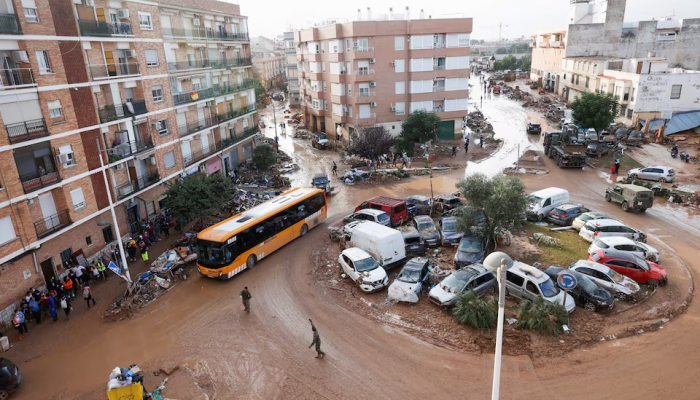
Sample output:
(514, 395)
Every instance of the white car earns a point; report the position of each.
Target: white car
(363, 269)
(627, 245)
(369, 214)
(609, 227)
(654, 173)
(619, 285)
(409, 283)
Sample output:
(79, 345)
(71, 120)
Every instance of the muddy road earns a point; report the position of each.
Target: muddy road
(200, 324)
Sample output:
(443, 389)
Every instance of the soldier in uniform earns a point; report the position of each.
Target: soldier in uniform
(245, 295)
(316, 341)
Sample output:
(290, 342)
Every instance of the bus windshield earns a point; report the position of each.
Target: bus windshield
(214, 254)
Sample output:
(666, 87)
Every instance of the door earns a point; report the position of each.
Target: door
(186, 151)
(133, 177)
(205, 143)
(48, 210)
(447, 130)
(111, 68)
(132, 216)
(200, 117)
(116, 96)
(47, 269)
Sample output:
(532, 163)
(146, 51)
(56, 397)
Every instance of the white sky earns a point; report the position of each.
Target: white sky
(271, 17)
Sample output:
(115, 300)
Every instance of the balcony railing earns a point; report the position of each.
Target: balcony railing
(367, 71)
(216, 35)
(16, 77)
(438, 88)
(367, 116)
(26, 130)
(227, 89)
(121, 150)
(39, 179)
(364, 94)
(195, 95)
(199, 155)
(137, 184)
(227, 116)
(217, 63)
(111, 112)
(363, 49)
(189, 64)
(203, 34)
(238, 136)
(52, 224)
(438, 67)
(195, 126)
(107, 71)
(100, 28)
(9, 24)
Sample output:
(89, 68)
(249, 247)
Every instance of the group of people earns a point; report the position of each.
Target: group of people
(151, 232)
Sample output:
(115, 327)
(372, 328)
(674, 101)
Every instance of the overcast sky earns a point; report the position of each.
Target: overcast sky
(271, 17)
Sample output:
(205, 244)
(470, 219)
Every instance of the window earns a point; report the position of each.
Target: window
(145, 21)
(55, 109)
(577, 76)
(399, 66)
(42, 58)
(161, 126)
(67, 256)
(157, 92)
(399, 43)
(676, 91)
(169, 159)
(587, 81)
(88, 240)
(347, 45)
(400, 87)
(108, 234)
(65, 155)
(7, 230)
(78, 199)
(532, 288)
(30, 13)
(151, 58)
(517, 280)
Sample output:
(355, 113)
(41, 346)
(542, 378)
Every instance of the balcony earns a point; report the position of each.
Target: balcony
(204, 34)
(195, 95)
(365, 95)
(52, 224)
(438, 88)
(199, 155)
(196, 126)
(137, 184)
(187, 65)
(121, 150)
(111, 112)
(217, 63)
(39, 179)
(16, 78)
(363, 49)
(26, 130)
(438, 67)
(222, 35)
(9, 24)
(367, 116)
(555, 43)
(100, 28)
(227, 116)
(228, 89)
(237, 137)
(109, 71)
(364, 74)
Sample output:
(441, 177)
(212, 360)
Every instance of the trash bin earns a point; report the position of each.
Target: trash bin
(131, 392)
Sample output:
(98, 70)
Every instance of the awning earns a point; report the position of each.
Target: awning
(682, 122)
(654, 124)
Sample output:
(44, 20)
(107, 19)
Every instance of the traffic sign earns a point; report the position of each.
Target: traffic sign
(566, 281)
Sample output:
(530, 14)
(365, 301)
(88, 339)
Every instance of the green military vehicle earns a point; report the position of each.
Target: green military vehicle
(632, 197)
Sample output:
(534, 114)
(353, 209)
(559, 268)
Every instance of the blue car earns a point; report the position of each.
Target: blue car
(449, 236)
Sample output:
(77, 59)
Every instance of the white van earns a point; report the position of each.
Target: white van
(527, 282)
(385, 244)
(545, 200)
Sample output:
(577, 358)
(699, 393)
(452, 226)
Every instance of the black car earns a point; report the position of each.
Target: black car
(621, 134)
(421, 202)
(447, 202)
(411, 237)
(565, 214)
(411, 209)
(471, 250)
(10, 377)
(586, 293)
(534, 128)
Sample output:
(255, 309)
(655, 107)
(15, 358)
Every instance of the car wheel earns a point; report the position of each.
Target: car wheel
(250, 262)
(625, 206)
(589, 306)
(608, 198)
(662, 179)
(642, 209)
(653, 283)
(4, 395)
(304, 230)
(621, 296)
(633, 176)
(540, 217)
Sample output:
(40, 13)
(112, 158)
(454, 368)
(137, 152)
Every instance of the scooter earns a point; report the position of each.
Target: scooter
(674, 152)
(685, 156)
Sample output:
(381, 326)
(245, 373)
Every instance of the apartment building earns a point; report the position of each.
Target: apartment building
(292, 73)
(548, 51)
(152, 90)
(271, 68)
(377, 71)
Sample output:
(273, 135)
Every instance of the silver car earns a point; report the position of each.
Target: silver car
(654, 173)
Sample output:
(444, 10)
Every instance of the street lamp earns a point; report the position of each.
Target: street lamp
(111, 209)
(274, 116)
(498, 262)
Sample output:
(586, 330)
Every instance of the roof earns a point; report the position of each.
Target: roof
(388, 201)
(418, 197)
(682, 122)
(209, 5)
(370, 211)
(422, 218)
(605, 222)
(633, 188)
(615, 240)
(523, 269)
(591, 264)
(415, 263)
(548, 192)
(568, 205)
(356, 253)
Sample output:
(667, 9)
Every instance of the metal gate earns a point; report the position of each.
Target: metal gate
(248, 150)
(447, 130)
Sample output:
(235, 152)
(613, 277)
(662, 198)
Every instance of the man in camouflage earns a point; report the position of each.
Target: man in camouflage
(245, 295)
(316, 341)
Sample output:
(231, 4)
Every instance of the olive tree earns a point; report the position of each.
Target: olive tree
(595, 110)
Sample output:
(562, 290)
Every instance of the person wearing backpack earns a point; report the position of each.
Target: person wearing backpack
(16, 322)
(87, 295)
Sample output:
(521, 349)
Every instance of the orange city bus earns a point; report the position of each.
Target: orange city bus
(229, 247)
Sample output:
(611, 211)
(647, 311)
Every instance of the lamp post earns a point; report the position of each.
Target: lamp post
(274, 116)
(498, 262)
(111, 209)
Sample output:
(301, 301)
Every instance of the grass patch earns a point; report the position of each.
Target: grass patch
(572, 246)
(626, 162)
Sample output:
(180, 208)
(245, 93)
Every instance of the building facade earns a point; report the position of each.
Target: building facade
(107, 100)
(271, 69)
(292, 73)
(376, 72)
(548, 51)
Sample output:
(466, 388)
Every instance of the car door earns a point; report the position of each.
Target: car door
(605, 281)
(619, 266)
(531, 290)
(630, 233)
(648, 173)
(350, 270)
(637, 273)
(484, 282)
(630, 248)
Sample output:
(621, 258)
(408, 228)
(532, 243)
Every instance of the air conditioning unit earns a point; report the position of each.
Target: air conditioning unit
(119, 166)
(372, 60)
(123, 13)
(335, 49)
(130, 53)
(393, 63)
(151, 160)
(372, 84)
(89, 3)
(355, 44)
(20, 56)
(195, 22)
(393, 108)
(64, 158)
(372, 104)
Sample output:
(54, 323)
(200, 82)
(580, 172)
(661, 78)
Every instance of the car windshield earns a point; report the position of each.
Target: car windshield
(366, 264)
(586, 284)
(382, 217)
(548, 289)
(470, 245)
(535, 200)
(585, 217)
(449, 226)
(320, 181)
(454, 283)
(426, 225)
(409, 276)
(618, 278)
(600, 244)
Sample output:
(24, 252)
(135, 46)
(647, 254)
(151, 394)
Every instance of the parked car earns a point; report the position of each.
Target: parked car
(471, 250)
(564, 214)
(609, 227)
(527, 282)
(321, 181)
(448, 231)
(320, 141)
(591, 135)
(632, 266)
(369, 214)
(427, 230)
(627, 245)
(447, 201)
(543, 201)
(635, 137)
(383, 243)
(657, 173)
(410, 281)
(579, 221)
(474, 277)
(422, 202)
(411, 209)
(534, 128)
(394, 207)
(586, 293)
(412, 240)
(10, 377)
(620, 286)
(363, 269)
(622, 133)
(632, 197)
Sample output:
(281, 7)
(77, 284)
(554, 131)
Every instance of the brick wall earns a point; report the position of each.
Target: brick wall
(167, 101)
(135, 8)
(21, 220)
(14, 285)
(67, 121)
(57, 76)
(175, 148)
(161, 68)
(62, 11)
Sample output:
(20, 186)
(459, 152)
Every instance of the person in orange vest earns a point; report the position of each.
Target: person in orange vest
(68, 285)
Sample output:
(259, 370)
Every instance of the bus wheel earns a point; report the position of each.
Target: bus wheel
(304, 230)
(250, 262)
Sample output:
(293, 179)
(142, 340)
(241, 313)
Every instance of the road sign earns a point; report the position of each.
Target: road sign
(566, 281)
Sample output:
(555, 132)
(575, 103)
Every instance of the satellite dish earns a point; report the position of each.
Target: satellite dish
(493, 261)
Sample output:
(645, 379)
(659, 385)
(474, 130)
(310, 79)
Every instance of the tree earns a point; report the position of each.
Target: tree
(508, 62)
(475, 311)
(264, 157)
(595, 110)
(259, 89)
(197, 195)
(370, 142)
(419, 127)
(492, 204)
(525, 63)
(542, 316)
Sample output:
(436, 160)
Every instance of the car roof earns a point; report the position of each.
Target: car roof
(449, 218)
(321, 175)
(634, 188)
(418, 197)
(590, 264)
(473, 269)
(606, 222)
(388, 201)
(421, 218)
(548, 192)
(618, 254)
(356, 253)
(415, 263)
(613, 240)
(534, 123)
(595, 214)
(371, 211)
(407, 230)
(568, 205)
(522, 269)
(446, 196)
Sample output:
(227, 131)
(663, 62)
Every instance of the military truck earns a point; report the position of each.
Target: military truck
(562, 147)
(632, 197)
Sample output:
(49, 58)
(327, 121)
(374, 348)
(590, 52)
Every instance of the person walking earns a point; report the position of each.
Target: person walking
(481, 140)
(131, 251)
(65, 306)
(53, 284)
(101, 269)
(454, 151)
(245, 296)
(22, 320)
(335, 169)
(52, 308)
(316, 341)
(166, 228)
(87, 295)
(144, 253)
(16, 322)
(35, 310)
(617, 166)
(396, 156)
(466, 147)
(68, 286)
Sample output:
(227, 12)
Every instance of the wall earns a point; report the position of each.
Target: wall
(654, 93)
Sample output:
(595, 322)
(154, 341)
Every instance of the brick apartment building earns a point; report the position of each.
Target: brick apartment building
(292, 74)
(377, 71)
(270, 67)
(164, 87)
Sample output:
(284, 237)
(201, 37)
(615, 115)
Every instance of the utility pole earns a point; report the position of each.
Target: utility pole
(274, 116)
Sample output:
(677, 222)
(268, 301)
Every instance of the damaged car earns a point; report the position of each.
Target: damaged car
(474, 277)
(471, 250)
(449, 236)
(427, 230)
(363, 269)
(409, 283)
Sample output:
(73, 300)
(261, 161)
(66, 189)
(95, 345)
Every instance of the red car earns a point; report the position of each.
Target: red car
(632, 266)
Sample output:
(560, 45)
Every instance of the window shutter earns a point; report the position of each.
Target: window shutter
(78, 198)
(7, 230)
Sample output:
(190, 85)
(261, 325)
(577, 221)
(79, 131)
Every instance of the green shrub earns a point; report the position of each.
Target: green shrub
(542, 316)
(475, 311)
